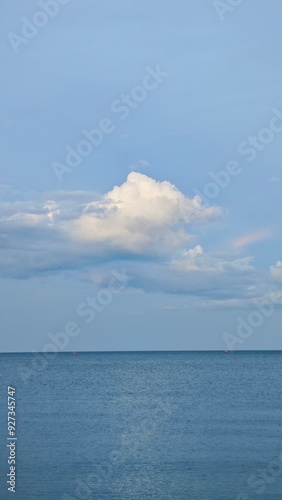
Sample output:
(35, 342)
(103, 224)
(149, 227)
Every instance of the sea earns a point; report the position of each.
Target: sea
(141, 426)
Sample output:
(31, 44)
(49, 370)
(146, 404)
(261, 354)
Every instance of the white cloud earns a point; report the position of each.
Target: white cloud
(144, 225)
(139, 164)
(189, 260)
(141, 216)
(276, 271)
(196, 260)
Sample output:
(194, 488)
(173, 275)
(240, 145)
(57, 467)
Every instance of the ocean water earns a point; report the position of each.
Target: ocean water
(142, 426)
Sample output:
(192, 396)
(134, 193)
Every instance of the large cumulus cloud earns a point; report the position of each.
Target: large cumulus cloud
(142, 217)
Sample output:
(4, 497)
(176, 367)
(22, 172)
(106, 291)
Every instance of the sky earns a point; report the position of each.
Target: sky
(140, 175)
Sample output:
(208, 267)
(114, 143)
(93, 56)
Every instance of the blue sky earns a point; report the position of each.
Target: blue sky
(200, 95)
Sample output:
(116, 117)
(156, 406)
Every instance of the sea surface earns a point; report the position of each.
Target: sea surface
(144, 426)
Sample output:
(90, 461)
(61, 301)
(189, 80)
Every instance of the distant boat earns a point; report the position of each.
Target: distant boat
(226, 351)
(73, 352)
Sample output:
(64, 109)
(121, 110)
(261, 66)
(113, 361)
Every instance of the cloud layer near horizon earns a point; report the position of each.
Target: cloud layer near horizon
(143, 224)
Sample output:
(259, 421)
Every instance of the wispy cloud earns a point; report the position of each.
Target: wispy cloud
(139, 165)
(276, 271)
(275, 179)
(248, 239)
